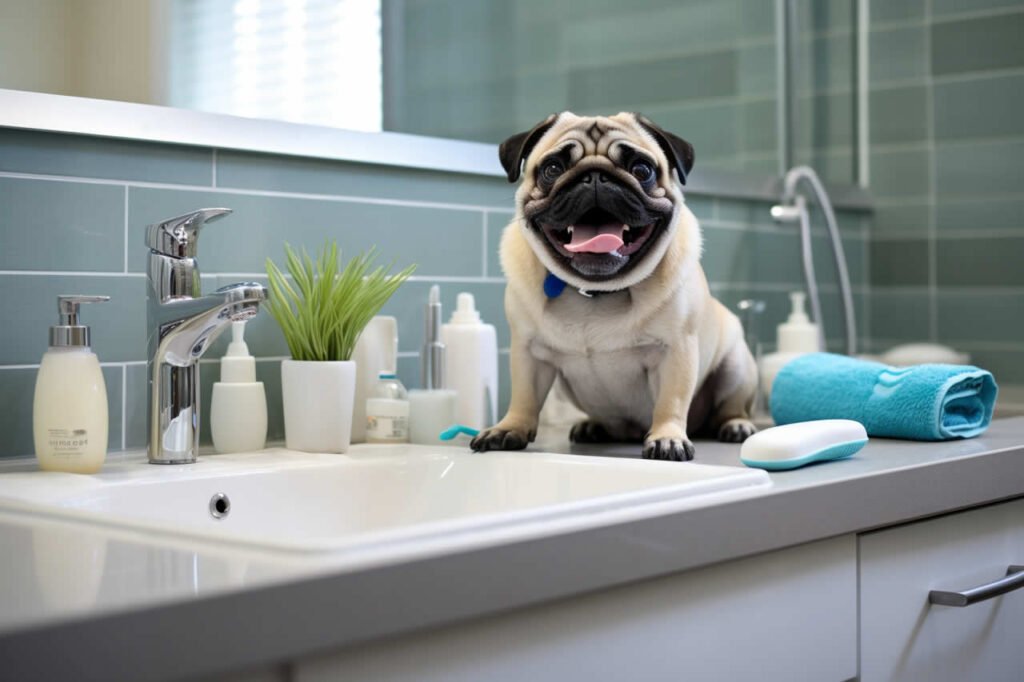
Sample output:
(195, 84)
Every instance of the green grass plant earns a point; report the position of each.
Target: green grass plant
(324, 308)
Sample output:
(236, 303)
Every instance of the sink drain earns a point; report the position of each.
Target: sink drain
(220, 506)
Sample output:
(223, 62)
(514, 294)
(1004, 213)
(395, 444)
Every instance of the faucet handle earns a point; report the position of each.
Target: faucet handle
(178, 237)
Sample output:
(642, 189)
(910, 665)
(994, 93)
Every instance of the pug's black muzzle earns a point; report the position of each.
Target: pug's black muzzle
(599, 226)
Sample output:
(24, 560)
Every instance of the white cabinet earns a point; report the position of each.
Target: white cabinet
(786, 615)
(905, 638)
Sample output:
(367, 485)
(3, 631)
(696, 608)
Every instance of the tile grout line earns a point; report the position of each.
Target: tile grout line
(977, 290)
(929, 123)
(339, 198)
(125, 364)
(456, 279)
(952, 17)
(124, 405)
(949, 78)
(865, 273)
(917, 200)
(126, 228)
(72, 273)
(897, 234)
(485, 254)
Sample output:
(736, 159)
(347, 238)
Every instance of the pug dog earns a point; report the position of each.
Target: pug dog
(606, 293)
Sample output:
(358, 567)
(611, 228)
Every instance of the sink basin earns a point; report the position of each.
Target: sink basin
(376, 500)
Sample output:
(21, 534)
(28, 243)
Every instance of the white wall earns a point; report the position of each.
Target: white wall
(88, 48)
(34, 51)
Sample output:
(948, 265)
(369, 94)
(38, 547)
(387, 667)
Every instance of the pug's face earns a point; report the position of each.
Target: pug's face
(599, 196)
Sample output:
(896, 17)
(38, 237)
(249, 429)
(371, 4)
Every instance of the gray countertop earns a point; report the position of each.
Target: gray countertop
(158, 609)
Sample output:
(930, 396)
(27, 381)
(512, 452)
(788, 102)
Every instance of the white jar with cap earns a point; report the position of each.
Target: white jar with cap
(238, 409)
(69, 409)
(472, 365)
(795, 337)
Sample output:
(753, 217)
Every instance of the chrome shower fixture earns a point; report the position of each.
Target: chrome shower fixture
(794, 209)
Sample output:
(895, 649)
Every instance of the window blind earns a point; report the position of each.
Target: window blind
(308, 61)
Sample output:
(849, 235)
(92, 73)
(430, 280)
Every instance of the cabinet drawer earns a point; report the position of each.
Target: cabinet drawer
(903, 637)
(782, 616)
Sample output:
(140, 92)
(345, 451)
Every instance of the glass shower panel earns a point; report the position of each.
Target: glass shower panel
(824, 72)
(482, 70)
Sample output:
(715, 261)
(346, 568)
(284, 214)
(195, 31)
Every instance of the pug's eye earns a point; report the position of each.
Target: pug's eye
(642, 171)
(552, 169)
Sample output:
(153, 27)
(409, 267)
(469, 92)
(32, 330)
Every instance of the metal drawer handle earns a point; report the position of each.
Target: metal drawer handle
(1014, 580)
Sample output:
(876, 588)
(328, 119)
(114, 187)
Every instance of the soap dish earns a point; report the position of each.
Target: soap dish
(796, 445)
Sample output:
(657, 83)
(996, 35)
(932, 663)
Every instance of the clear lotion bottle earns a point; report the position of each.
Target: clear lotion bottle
(69, 411)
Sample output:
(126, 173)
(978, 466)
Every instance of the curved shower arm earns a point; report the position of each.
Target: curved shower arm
(797, 205)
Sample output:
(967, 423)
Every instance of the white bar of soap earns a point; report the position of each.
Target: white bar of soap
(795, 445)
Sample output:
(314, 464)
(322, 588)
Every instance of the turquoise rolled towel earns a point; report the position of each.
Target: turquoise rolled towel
(924, 402)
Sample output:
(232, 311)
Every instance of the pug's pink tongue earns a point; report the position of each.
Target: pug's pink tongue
(595, 239)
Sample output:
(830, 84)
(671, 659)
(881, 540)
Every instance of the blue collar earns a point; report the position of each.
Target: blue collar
(553, 286)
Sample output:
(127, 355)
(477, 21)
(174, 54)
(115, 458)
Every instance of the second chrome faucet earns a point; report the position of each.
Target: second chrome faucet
(181, 325)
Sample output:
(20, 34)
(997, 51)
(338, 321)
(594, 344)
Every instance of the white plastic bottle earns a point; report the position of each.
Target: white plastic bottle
(376, 351)
(238, 408)
(472, 366)
(795, 337)
(387, 411)
(432, 407)
(69, 410)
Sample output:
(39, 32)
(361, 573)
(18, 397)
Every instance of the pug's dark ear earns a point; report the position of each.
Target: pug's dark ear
(515, 149)
(678, 150)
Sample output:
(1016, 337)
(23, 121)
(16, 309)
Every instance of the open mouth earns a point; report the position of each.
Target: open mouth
(598, 232)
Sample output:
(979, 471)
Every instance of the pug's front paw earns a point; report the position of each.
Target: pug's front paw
(673, 449)
(498, 438)
(589, 431)
(736, 430)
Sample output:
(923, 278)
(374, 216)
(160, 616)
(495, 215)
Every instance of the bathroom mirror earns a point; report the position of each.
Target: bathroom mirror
(756, 86)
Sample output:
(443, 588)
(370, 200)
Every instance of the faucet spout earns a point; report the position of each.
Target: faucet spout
(187, 326)
(182, 324)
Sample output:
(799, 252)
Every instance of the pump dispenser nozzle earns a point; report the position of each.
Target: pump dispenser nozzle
(237, 366)
(70, 331)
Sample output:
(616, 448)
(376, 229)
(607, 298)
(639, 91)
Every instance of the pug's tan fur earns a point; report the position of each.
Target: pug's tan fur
(654, 357)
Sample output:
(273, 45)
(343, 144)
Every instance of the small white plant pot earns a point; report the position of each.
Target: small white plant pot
(318, 399)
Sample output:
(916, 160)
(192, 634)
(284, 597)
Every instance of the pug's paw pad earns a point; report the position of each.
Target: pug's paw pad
(500, 439)
(589, 431)
(736, 431)
(672, 449)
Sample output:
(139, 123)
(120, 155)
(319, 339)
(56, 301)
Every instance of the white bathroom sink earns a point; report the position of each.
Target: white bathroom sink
(376, 500)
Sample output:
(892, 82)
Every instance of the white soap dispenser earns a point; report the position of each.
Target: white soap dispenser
(472, 367)
(795, 337)
(69, 410)
(238, 410)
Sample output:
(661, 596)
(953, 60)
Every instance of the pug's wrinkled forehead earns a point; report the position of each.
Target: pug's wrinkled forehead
(621, 139)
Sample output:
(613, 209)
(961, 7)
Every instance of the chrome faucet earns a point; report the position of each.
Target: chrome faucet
(181, 325)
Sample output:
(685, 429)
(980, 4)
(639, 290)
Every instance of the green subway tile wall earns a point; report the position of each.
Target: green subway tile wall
(73, 210)
(938, 260)
(947, 169)
(706, 68)
(961, 46)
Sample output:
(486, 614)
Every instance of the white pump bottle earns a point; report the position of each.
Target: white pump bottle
(238, 409)
(795, 337)
(69, 409)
